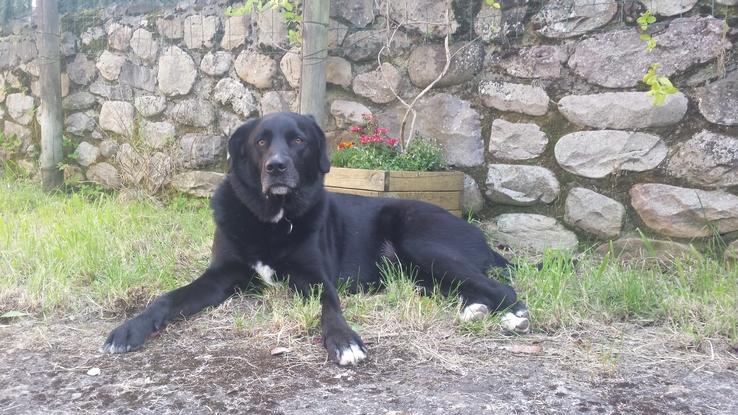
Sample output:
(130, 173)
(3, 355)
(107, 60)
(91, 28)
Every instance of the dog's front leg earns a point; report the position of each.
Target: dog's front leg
(343, 344)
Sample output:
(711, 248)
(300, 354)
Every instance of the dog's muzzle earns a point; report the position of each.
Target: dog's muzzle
(278, 176)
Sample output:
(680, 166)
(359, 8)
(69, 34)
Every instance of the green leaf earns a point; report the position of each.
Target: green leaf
(14, 314)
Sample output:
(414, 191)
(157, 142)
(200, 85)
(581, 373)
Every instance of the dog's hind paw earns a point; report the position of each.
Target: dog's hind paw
(517, 322)
(351, 355)
(474, 311)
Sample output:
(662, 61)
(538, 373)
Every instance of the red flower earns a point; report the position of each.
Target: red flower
(392, 141)
(381, 130)
(345, 144)
(356, 129)
(364, 139)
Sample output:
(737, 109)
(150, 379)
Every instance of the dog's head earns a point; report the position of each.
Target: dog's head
(279, 153)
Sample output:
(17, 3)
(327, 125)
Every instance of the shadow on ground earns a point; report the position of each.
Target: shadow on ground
(205, 365)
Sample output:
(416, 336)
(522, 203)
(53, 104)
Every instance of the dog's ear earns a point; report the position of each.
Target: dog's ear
(237, 140)
(324, 163)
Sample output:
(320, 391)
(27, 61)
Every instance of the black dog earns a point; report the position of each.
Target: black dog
(275, 220)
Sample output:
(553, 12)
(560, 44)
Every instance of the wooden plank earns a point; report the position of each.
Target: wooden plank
(446, 200)
(408, 181)
(361, 179)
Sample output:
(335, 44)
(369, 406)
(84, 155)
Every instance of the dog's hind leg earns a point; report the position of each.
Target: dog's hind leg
(480, 295)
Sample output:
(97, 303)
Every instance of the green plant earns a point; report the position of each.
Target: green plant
(660, 85)
(493, 3)
(288, 9)
(11, 143)
(371, 148)
(644, 20)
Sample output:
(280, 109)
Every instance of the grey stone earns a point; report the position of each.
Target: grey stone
(377, 85)
(568, 18)
(23, 133)
(272, 29)
(201, 150)
(594, 213)
(144, 45)
(199, 31)
(255, 68)
(718, 102)
(119, 36)
(428, 17)
(171, 28)
(216, 64)
(108, 148)
(647, 250)
(117, 117)
(138, 76)
(150, 105)
(539, 62)
(79, 124)
(683, 212)
(231, 91)
(455, 125)
(669, 7)
(3, 91)
(347, 113)
(531, 232)
(623, 110)
(193, 112)
(707, 159)
(278, 101)
(79, 101)
(520, 185)
(87, 153)
(104, 174)
(728, 2)
(516, 141)
(81, 70)
(596, 154)
(359, 12)
(505, 96)
(156, 135)
(236, 30)
(16, 50)
(92, 34)
(228, 122)
(132, 165)
(338, 71)
(336, 34)
(68, 44)
(619, 59)
(472, 200)
(177, 72)
(291, 66)
(493, 24)
(365, 44)
(20, 107)
(114, 92)
(426, 63)
(197, 183)
(109, 65)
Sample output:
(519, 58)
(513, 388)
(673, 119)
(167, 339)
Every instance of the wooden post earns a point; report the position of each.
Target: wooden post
(314, 53)
(50, 80)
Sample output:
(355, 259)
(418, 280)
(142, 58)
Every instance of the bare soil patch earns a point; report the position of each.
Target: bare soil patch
(210, 365)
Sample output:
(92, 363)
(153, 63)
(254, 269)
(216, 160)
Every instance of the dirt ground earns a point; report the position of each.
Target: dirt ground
(208, 365)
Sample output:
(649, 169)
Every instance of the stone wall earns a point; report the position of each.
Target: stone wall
(541, 106)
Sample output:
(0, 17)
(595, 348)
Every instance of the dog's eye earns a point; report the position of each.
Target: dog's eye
(299, 140)
(261, 142)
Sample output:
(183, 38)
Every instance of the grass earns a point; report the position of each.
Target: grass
(90, 250)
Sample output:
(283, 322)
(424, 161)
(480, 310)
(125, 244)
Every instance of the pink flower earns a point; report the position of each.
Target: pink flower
(364, 139)
(367, 117)
(381, 130)
(392, 141)
(356, 129)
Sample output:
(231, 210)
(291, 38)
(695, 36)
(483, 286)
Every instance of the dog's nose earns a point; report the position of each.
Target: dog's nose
(276, 165)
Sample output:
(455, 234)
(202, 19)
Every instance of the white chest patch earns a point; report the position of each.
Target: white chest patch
(278, 216)
(266, 273)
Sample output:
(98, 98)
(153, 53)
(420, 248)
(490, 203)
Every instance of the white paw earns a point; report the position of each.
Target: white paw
(113, 348)
(517, 322)
(474, 311)
(351, 355)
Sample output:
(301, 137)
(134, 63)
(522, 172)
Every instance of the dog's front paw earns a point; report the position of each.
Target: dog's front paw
(517, 321)
(345, 347)
(129, 336)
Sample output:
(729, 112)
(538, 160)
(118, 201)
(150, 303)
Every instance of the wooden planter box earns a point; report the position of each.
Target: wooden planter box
(442, 188)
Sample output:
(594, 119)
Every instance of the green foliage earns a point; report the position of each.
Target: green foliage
(288, 9)
(11, 143)
(645, 19)
(371, 148)
(493, 3)
(660, 86)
